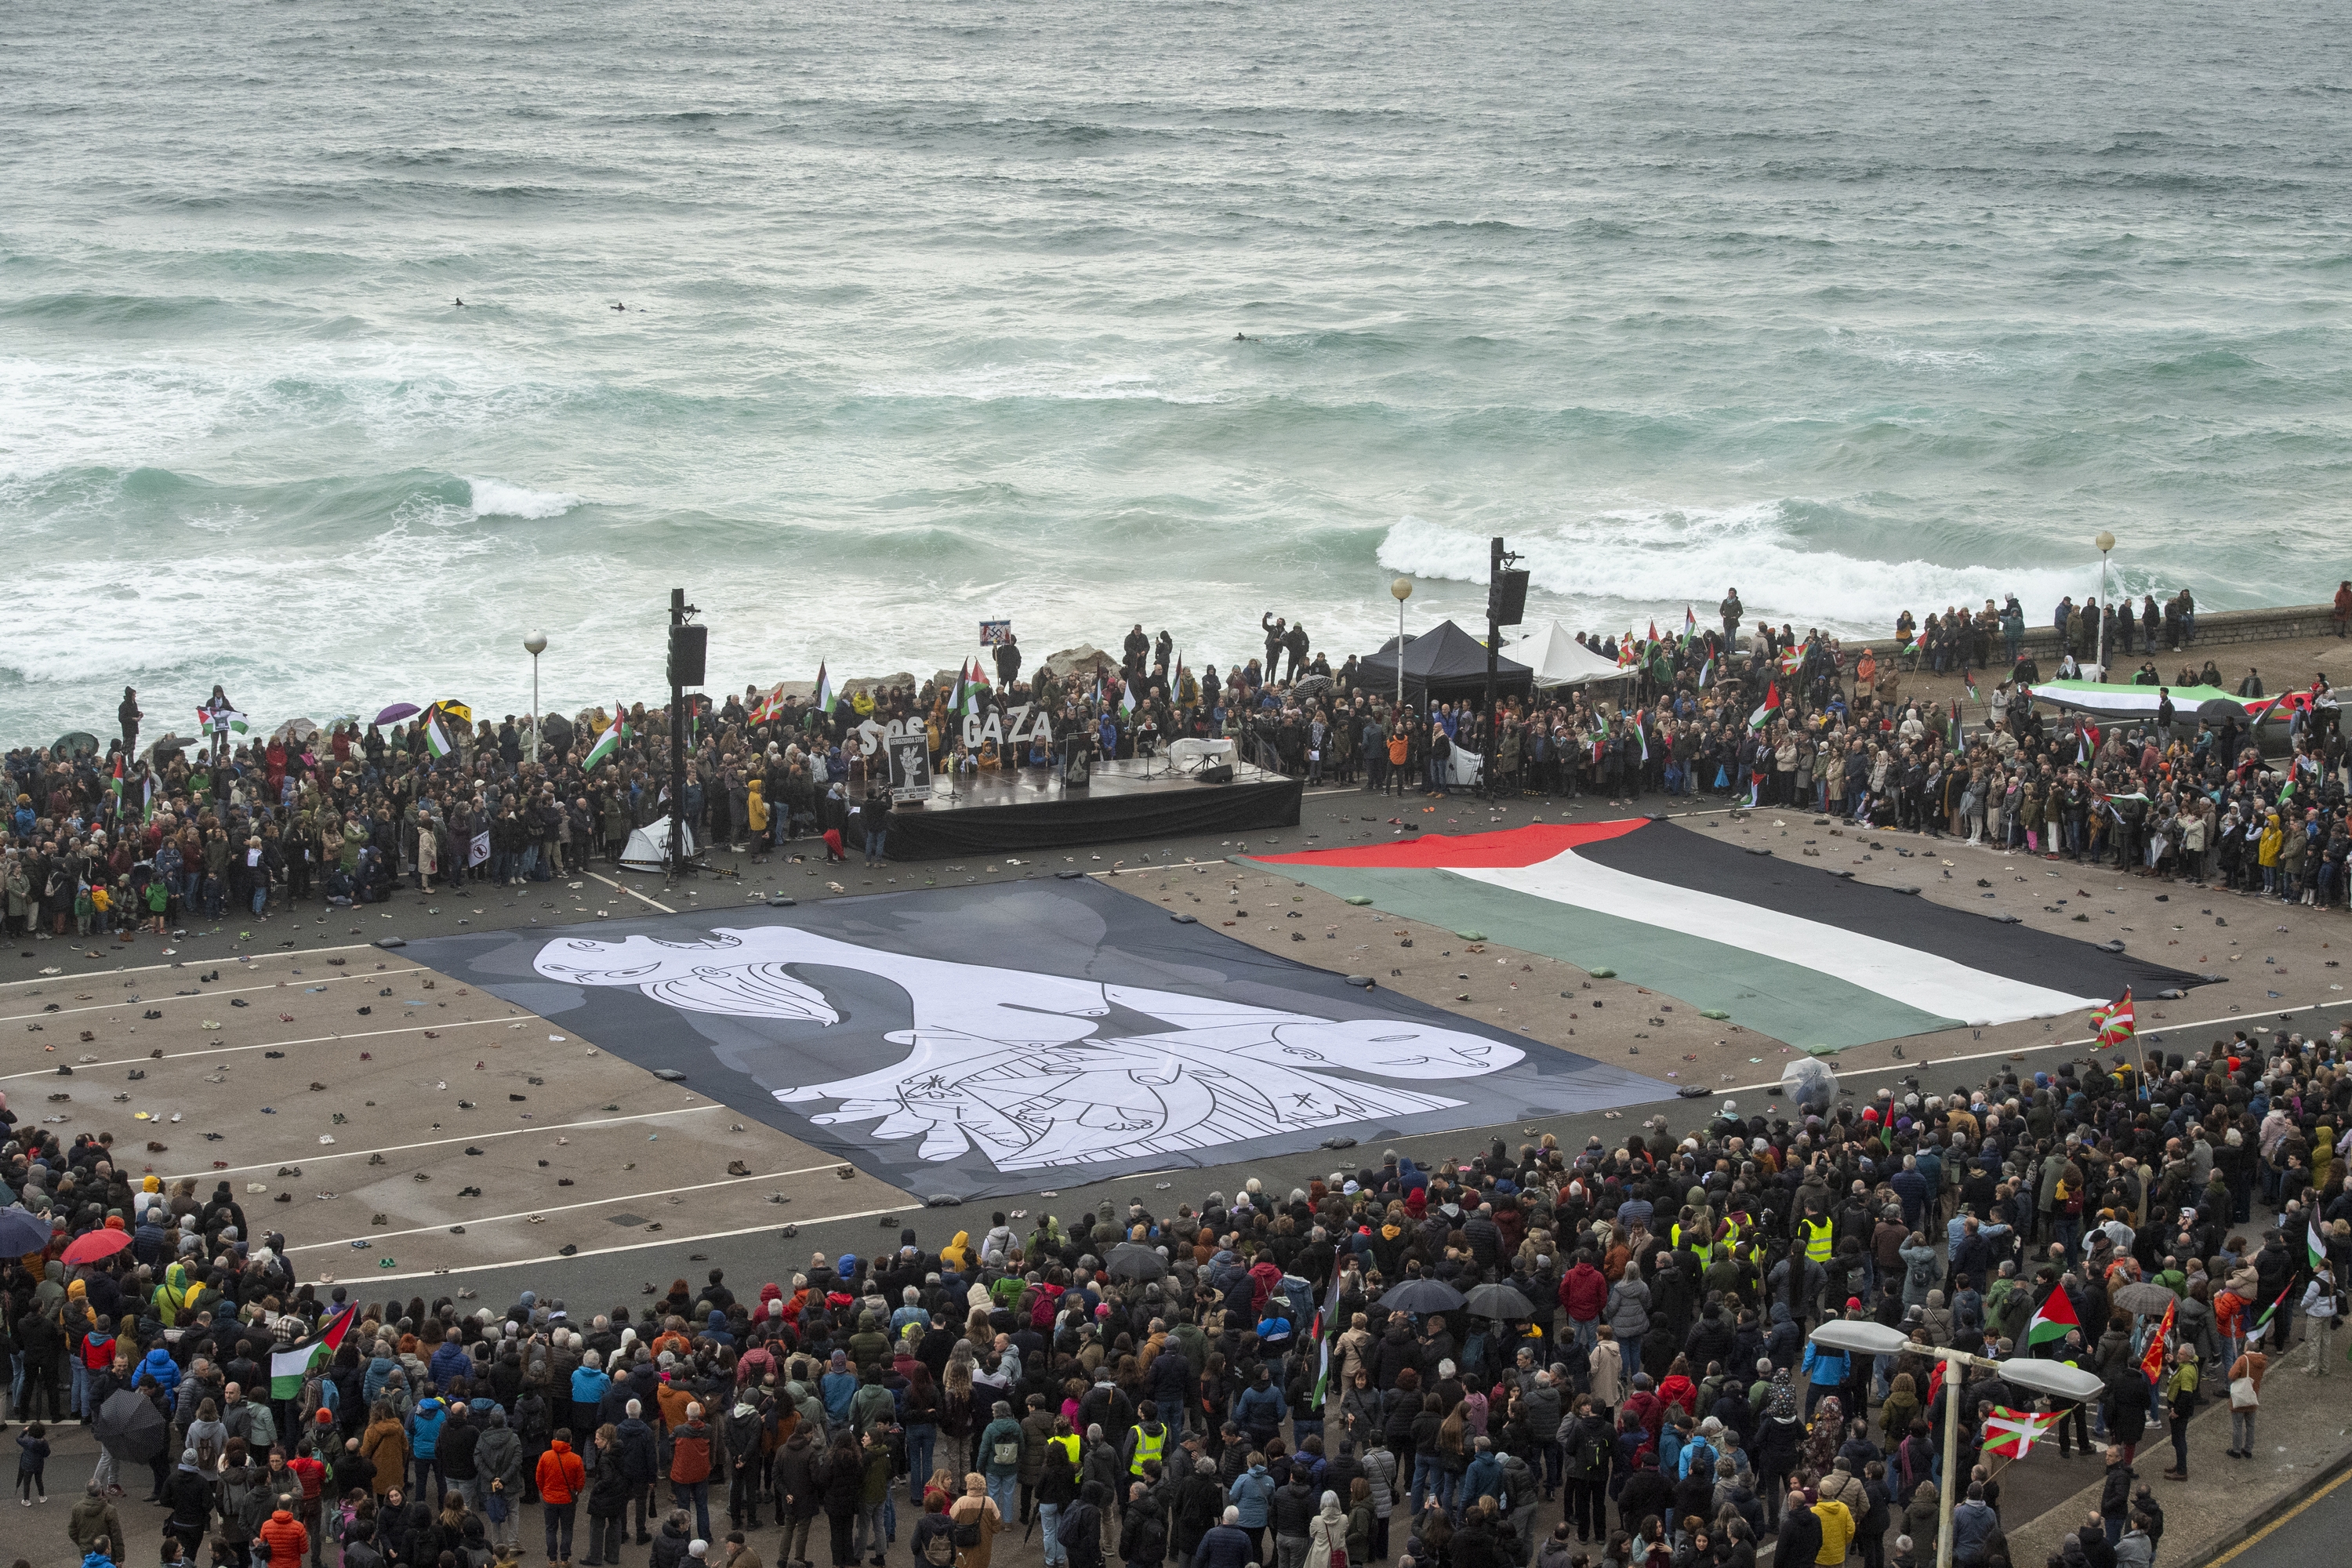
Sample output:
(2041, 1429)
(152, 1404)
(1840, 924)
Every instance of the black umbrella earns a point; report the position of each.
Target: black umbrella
(1420, 1296)
(1499, 1301)
(1131, 1260)
(22, 1231)
(130, 1427)
(2213, 710)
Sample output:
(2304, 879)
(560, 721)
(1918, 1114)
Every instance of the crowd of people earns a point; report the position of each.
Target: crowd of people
(111, 843)
(1536, 1355)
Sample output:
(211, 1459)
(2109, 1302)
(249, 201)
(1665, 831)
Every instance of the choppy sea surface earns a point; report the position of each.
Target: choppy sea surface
(931, 317)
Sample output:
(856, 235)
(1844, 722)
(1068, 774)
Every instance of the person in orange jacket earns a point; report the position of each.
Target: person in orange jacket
(283, 1534)
(561, 1478)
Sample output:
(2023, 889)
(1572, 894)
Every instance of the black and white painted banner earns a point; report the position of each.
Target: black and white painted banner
(986, 1039)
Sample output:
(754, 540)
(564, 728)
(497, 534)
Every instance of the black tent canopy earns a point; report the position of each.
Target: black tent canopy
(1441, 664)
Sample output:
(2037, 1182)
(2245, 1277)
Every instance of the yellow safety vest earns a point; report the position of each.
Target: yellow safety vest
(1699, 1244)
(1148, 1445)
(1068, 1445)
(1817, 1240)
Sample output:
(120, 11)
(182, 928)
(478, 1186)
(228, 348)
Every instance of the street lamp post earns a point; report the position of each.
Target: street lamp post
(2056, 1379)
(535, 644)
(2106, 541)
(1402, 589)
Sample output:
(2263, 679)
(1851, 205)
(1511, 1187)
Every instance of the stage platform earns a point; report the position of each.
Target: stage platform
(1031, 809)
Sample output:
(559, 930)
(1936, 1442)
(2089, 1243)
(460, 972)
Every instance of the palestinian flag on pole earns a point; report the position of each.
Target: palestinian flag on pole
(1705, 674)
(2314, 1245)
(1767, 710)
(1690, 627)
(1783, 947)
(1970, 682)
(2114, 1022)
(291, 1364)
(2262, 1323)
(2053, 1320)
(2011, 1434)
(115, 783)
(1322, 1332)
(610, 741)
(437, 738)
(826, 699)
(1127, 699)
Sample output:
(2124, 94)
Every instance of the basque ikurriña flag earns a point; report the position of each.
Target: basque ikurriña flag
(1801, 954)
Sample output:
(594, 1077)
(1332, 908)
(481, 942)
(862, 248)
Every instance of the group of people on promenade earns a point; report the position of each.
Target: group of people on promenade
(1535, 1355)
(358, 812)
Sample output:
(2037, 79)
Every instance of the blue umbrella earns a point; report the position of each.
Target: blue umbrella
(22, 1231)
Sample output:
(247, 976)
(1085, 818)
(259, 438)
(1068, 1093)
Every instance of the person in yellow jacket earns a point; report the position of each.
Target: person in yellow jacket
(175, 1294)
(1837, 1527)
(2266, 851)
(755, 809)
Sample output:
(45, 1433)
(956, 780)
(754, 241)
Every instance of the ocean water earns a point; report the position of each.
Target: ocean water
(933, 314)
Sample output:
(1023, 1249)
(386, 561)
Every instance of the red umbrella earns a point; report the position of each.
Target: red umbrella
(91, 1246)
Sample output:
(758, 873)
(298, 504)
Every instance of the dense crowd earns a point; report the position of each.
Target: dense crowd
(1537, 1355)
(111, 843)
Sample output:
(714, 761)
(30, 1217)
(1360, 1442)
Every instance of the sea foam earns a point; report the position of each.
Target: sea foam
(495, 498)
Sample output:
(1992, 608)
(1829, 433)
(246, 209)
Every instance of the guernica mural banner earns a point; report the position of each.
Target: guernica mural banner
(991, 1039)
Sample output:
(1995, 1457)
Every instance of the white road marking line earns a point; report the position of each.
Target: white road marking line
(269, 1046)
(158, 1001)
(665, 1240)
(306, 1157)
(62, 976)
(566, 1208)
(632, 893)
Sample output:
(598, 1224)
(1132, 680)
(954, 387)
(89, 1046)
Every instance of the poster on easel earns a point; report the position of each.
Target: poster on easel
(910, 767)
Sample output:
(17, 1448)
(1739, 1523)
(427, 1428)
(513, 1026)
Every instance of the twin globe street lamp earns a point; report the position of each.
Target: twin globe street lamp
(2054, 1378)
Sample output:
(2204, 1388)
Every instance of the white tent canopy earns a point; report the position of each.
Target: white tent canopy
(1559, 660)
(648, 846)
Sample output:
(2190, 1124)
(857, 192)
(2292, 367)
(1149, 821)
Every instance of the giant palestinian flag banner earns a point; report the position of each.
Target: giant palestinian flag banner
(1800, 953)
(979, 1040)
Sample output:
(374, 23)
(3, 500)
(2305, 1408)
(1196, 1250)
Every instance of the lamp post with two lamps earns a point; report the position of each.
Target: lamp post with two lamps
(2054, 1378)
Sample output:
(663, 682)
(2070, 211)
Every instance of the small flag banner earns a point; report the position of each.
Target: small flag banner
(2053, 1320)
(2114, 1023)
(2011, 1434)
(289, 1365)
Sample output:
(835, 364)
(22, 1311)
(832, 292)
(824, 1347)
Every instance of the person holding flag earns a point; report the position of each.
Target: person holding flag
(2319, 1304)
(2179, 1393)
(610, 741)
